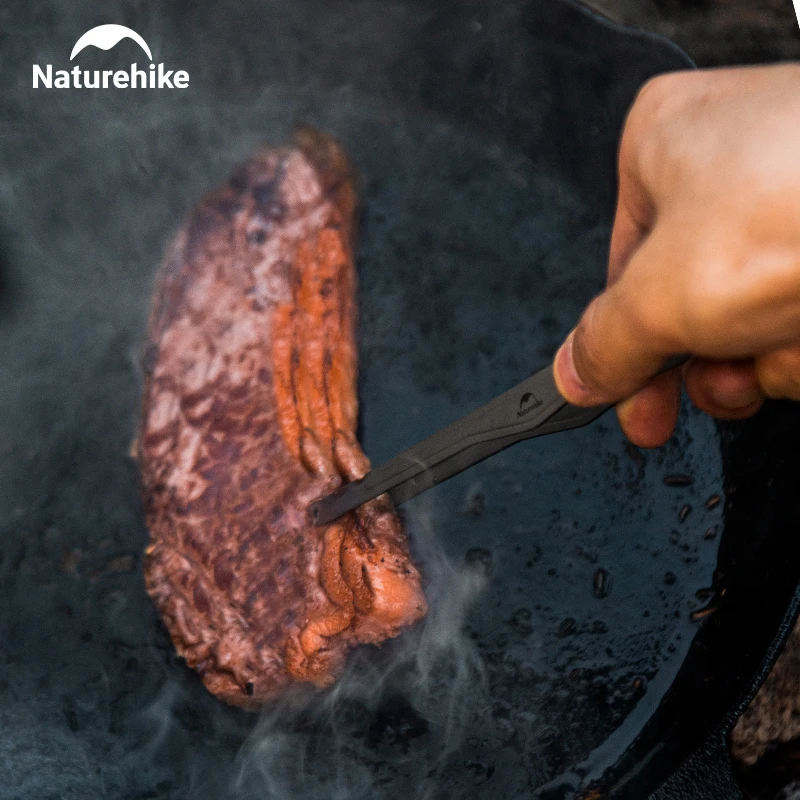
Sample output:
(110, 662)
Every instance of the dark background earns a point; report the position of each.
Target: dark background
(716, 32)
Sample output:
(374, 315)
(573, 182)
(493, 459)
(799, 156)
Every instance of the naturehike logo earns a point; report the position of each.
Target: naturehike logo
(529, 402)
(105, 37)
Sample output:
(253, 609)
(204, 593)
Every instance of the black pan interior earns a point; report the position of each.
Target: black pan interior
(563, 574)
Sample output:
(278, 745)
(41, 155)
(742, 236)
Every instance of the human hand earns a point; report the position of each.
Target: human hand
(704, 257)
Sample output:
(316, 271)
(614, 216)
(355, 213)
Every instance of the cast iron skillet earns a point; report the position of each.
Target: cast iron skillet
(486, 135)
(682, 748)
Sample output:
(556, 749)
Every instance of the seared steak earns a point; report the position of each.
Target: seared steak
(249, 414)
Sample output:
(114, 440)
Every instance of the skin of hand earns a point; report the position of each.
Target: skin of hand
(704, 256)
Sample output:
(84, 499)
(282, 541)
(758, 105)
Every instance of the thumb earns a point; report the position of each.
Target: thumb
(620, 341)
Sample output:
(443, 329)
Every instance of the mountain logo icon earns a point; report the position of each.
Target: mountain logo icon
(528, 402)
(105, 37)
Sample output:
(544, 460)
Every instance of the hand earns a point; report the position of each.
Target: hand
(705, 254)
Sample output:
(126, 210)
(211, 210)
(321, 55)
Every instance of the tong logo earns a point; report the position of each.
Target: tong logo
(528, 402)
(104, 37)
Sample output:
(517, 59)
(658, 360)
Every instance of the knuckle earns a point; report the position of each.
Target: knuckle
(647, 313)
(601, 348)
(771, 381)
(655, 92)
(646, 319)
(708, 306)
(648, 141)
(587, 356)
(661, 93)
(778, 373)
(640, 140)
(651, 110)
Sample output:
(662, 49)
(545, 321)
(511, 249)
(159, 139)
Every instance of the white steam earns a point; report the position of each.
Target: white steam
(424, 686)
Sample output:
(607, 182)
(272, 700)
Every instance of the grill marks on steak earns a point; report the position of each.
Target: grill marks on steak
(249, 414)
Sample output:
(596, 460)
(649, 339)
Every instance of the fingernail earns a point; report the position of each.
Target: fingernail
(734, 400)
(569, 383)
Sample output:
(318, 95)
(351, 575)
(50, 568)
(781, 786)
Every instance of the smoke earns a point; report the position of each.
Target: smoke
(632, 12)
(421, 689)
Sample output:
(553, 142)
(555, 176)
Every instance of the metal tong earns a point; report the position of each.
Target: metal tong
(532, 408)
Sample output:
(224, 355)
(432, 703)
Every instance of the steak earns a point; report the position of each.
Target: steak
(249, 414)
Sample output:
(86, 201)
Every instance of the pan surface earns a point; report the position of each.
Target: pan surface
(565, 575)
